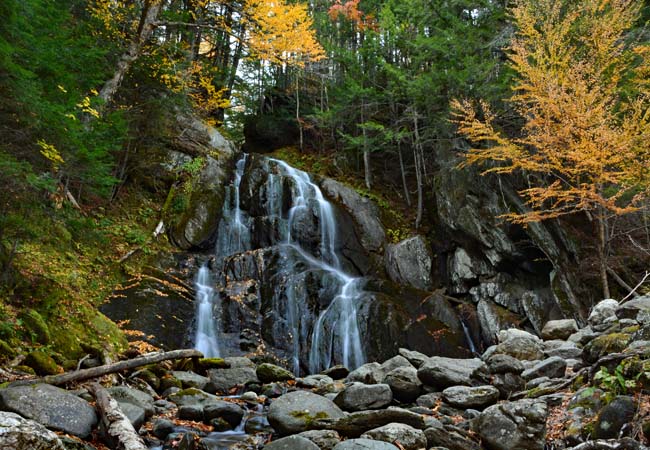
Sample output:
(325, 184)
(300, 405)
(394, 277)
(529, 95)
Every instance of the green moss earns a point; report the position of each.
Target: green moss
(36, 326)
(6, 351)
(26, 369)
(607, 343)
(212, 363)
(42, 363)
(309, 419)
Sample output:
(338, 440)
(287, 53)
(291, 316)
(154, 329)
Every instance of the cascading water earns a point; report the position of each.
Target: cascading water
(287, 204)
(206, 340)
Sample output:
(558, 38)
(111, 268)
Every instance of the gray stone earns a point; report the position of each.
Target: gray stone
(429, 400)
(359, 397)
(51, 406)
(337, 372)
(192, 396)
(514, 425)
(268, 373)
(415, 358)
(324, 439)
(520, 344)
(404, 383)
(292, 443)
(134, 413)
(443, 372)
(614, 416)
(508, 383)
(409, 438)
(296, 411)
(553, 367)
(162, 427)
(315, 381)
(228, 411)
(603, 313)
(125, 394)
(559, 329)
(631, 308)
(583, 336)
(191, 412)
(439, 437)
(18, 433)
(500, 363)
(238, 361)
(409, 262)
(191, 379)
(494, 318)
(395, 362)
(356, 423)
(370, 373)
(363, 211)
(223, 380)
(465, 270)
(465, 397)
(364, 444)
(566, 350)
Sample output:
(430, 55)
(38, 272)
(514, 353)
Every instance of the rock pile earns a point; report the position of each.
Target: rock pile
(577, 388)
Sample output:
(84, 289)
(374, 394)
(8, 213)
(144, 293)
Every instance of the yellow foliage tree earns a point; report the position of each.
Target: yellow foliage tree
(581, 89)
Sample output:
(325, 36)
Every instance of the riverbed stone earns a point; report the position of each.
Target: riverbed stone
(223, 380)
(124, 394)
(559, 329)
(553, 367)
(18, 433)
(441, 372)
(355, 424)
(614, 416)
(439, 437)
(359, 397)
(134, 413)
(514, 425)
(190, 379)
(603, 314)
(292, 443)
(51, 406)
(520, 344)
(364, 444)
(228, 411)
(404, 383)
(296, 411)
(500, 363)
(415, 358)
(409, 438)
(631, 308)
(268, 373)
(324, 439)
(466, 397)
(369, 373)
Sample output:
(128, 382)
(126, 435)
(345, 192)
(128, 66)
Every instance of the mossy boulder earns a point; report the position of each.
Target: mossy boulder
(602, 345)
(35, 325)
(6, 351)
(212, 363)
(42, 363)
(269, 373)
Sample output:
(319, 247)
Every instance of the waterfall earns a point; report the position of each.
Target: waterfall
(206, 340)
(332, 334)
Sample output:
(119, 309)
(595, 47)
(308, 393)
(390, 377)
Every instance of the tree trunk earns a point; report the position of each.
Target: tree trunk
(366, 153)
(148, 18)
(407, 195)
(602, 252)
(417, 150)
(120, 434)
(99, 371)
(298, 121)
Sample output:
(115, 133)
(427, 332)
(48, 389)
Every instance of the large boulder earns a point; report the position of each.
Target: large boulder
(409, 262)
(297, 411)
(465, 397)
(18, 433)
(359, 397)
(223, 380)
(631, 308)
(404, 383)
(553, 367)
(520, 344)
(51, 406)
(443, 372)
(493, 318)
(364, 444)
(291, 443)
(356, 423)
(136, 397)
(603, 314)
(409, 438)
(559, 329)
(514, 425)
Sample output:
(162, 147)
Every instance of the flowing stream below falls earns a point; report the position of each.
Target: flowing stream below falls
(319, 332)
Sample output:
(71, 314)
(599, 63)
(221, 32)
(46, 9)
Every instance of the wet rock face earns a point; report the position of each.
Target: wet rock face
(409, 262)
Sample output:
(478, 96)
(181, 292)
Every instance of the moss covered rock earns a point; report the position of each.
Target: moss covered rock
(42, 363)
(607, 343)
(36, 326)
(212, 363)
(269, 373)
(6, 351)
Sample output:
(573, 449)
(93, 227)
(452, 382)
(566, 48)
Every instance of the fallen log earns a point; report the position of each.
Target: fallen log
(119, 433)
(95, 372)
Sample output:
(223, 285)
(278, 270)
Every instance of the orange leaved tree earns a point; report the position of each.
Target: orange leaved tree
(581, 87)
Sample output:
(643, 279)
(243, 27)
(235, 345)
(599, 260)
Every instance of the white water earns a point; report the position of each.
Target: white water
(335, 336)
(336, 329)
(206, 340)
